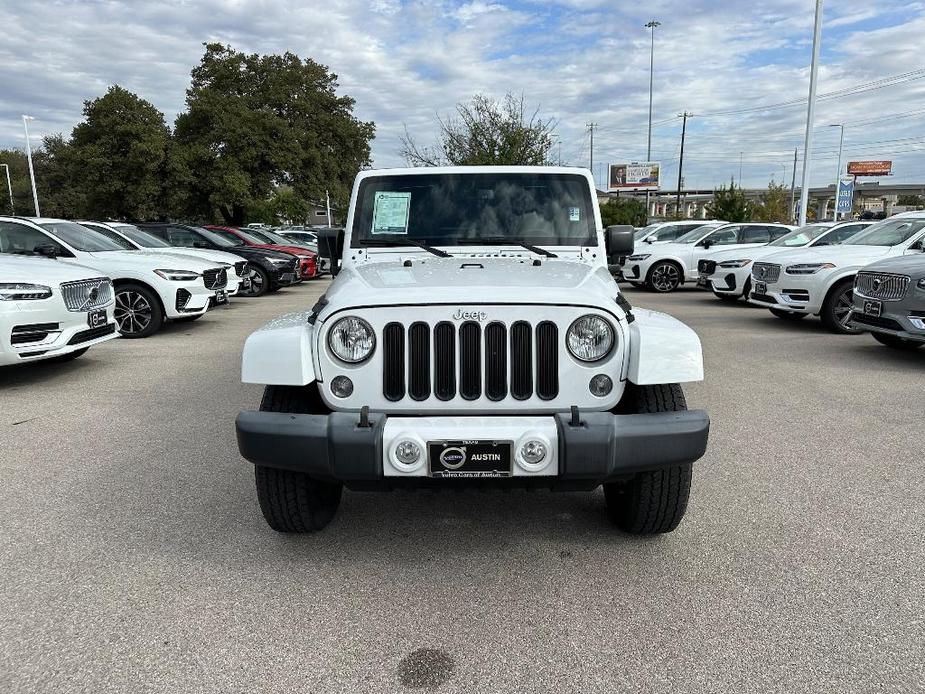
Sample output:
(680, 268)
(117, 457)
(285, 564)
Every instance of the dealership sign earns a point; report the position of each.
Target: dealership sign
(634, 176)
(870, 168)
(844, 199)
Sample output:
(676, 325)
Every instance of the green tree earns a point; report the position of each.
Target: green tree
(19, 180)
(486, 132)
(773, 205)
(623, 211)
(254, 123)
(729, 204)
(57, 179)
(910, 200)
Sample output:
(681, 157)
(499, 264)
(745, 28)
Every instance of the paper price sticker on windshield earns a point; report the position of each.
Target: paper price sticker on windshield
(574, 214)
(391, 212)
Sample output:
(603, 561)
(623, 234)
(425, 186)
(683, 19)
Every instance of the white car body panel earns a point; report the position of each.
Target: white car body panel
(664, 350)
(49, 273)
(280, 353)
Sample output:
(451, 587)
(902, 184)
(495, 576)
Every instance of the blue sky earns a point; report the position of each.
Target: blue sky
(577, 60)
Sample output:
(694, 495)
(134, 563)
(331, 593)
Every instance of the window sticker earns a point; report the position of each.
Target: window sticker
(574, 214)
(391, 212)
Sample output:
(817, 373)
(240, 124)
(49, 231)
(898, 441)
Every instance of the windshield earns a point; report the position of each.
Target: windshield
(255, 236)
(459, 209)
(273, 237)
(218, 239)
(890, 232)
(80, 238)
(694, 235)
(142, 238)
(801, 236)
(645, 231)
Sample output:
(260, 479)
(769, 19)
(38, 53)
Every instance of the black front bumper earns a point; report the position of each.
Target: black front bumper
(599, 448)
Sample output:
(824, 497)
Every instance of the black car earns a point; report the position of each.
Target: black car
(271, 269)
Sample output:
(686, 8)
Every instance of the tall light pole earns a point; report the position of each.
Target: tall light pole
(9, 187)
(35, 195)
(685, 116)
(810, 110)
(651, 26)
(841, 144)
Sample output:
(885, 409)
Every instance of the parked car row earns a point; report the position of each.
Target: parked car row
(857, 276)
(66, 286)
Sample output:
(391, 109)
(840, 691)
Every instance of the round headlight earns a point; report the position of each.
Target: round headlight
(590, 338)
(352, 340)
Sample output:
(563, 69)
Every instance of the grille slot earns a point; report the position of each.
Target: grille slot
(882, 286)
(240, 268)
(92, 334)
(470, 360)
(445, 361)
(706, 267)
(521, 360)
(496, 361)
(419, 361)
(393, 356)
(86, 295)
(547, 360)
(215, 279)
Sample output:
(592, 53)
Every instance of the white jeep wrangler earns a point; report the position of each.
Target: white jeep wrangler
(474, 335)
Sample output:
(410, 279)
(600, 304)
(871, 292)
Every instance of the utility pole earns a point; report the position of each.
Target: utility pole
(793, 186)
(810, 110)
(841, 144)
(652, 26)
(591, 126)
(35, 195)
(685, 116)
(9, 187)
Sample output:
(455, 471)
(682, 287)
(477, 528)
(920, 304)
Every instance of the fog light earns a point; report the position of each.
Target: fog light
(408, 452)
(533, 452)
(342, 386)
(600, 385)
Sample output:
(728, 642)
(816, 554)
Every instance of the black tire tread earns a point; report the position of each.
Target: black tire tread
(826, 314)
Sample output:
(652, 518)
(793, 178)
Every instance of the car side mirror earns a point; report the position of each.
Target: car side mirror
(706, 243)
(619, 241)
(331, 246)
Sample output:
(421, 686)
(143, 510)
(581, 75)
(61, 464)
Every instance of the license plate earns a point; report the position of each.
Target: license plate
(97, 318)
(221, 296)
(873, 308)
(761, 288)
(470, 459)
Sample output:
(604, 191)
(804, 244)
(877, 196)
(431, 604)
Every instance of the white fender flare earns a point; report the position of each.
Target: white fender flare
(663, 350)
(280, 353)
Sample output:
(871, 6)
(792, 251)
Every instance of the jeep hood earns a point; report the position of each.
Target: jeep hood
(463, 281)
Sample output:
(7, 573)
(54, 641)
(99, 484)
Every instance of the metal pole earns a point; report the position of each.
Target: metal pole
(35, 195)
(591, 127)
(9, 187)
(810, 111)
(793, 186)
(651, 25)
(685, 116)
(841, 144)
(327, 200)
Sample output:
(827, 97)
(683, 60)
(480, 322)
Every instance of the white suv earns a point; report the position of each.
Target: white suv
(820, 281)
(665, 267)
(149, 287)
(666, 232)
(51, 311)
(728, 273)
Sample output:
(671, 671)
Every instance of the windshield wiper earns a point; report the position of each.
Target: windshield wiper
(385, 243)
(497, 241)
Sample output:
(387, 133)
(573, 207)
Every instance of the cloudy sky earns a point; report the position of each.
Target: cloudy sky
(579, 61)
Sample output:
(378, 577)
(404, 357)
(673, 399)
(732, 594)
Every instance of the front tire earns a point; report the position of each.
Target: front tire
(896, 342)
(664, 277)
(836, 309)
(651, 502)
(138, 311)
(260, 282)
(293, 502)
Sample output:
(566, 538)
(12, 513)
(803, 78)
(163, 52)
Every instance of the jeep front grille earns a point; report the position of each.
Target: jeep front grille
(215, 279)
(86, 295)
(882, 286)
(496, 361)
(766, 272)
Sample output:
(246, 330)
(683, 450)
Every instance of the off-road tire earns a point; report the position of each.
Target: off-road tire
(651, 502)
(293, 502)
(896, 342)
(787, 315)
(833, 304)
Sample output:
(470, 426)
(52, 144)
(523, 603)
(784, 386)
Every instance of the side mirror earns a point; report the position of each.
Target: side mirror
(49, 250)
(706, 243)
(649, 239)
(331, 246)
(620, 242)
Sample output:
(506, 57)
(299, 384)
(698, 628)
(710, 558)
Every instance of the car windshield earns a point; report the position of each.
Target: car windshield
(255, 236)
(218, 239)
(801, 236)
(466, 209)
(142, 238)
(273, 237)
(80, 238)
(890, 232)
(645, 231)
(694, 235)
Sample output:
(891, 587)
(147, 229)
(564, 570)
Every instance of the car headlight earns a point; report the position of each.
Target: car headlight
(735, 263)
(279, 262)
(20, 291)
(178, 275)
(352, 340)
(808, 268)
(641, 256)
(590, 338)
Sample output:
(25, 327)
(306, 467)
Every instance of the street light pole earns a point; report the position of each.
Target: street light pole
(35, 195)
(685, 116)
(9, 187)
(810, 110)
(652, 26)
(841, 144)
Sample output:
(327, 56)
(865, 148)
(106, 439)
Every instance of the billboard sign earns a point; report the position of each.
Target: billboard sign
(870, 168)
(634, 176)
(844, 199)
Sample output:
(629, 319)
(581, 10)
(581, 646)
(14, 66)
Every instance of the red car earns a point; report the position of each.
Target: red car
(308, 260)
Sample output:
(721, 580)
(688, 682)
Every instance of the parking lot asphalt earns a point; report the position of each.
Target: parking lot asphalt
(135, 559)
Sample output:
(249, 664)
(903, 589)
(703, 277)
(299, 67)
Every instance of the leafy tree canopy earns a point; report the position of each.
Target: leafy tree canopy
(773, 205)
(729, 204)
(623, 211)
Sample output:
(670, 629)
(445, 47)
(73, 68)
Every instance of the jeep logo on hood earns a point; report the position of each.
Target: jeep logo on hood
(469, 315)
